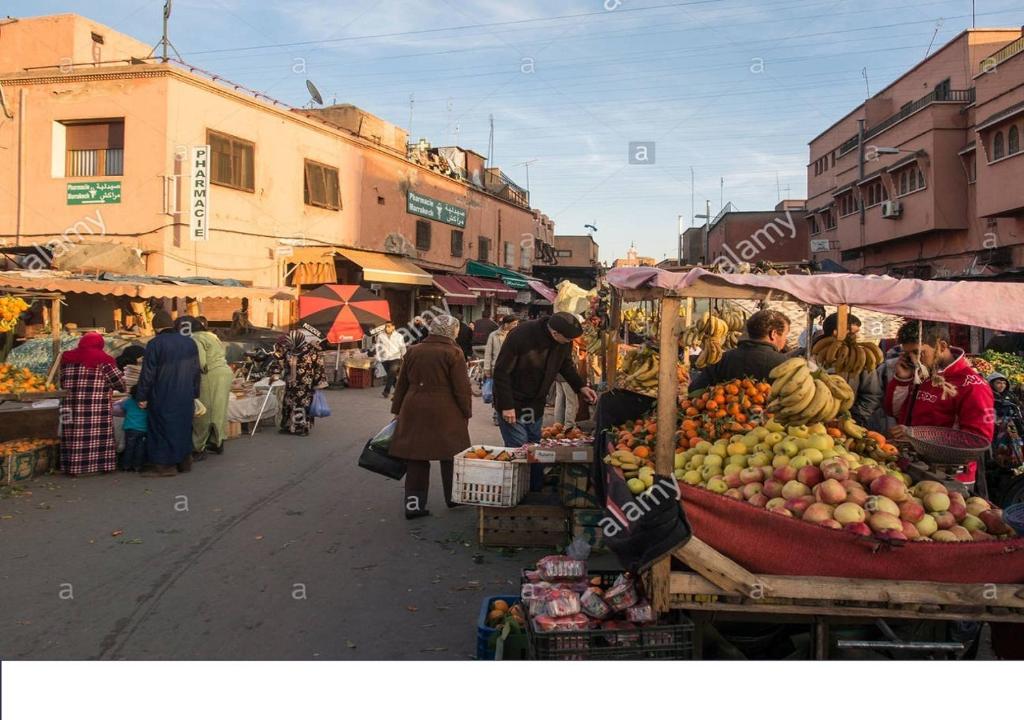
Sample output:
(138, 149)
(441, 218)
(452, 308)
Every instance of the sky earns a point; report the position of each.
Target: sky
(732, 89)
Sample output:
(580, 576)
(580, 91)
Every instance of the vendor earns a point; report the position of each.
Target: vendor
(755, 356)
(933, 384)
(867, 385)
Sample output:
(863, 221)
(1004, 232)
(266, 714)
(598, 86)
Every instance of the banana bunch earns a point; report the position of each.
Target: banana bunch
(800, 396)
(848, 356)
(639, 371)
(710, 353)
(714, 334)
(594, 344)
(735, 318)
(636, 320)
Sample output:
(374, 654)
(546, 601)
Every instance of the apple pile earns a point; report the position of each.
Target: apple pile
(801, 472)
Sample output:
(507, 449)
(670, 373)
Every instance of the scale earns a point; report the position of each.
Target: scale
(941, 454)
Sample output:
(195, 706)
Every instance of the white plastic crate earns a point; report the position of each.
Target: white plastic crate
(491, 483)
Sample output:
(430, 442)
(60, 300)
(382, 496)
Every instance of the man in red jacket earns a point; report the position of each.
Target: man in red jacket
(933, 384)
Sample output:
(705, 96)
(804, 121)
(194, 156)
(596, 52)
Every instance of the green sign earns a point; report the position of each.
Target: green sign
(435, 209)
(94, 193)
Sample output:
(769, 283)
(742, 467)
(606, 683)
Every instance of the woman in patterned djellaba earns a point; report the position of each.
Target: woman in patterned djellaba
(301, 366)
(89, 375)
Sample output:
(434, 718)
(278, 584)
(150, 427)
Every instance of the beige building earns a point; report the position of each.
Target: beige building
(98, 144)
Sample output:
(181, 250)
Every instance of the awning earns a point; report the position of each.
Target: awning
(381, 268)
(488, 287)
(158, 287)
(543, 290)
(486, 270)
(455, 293)
(1000, 116)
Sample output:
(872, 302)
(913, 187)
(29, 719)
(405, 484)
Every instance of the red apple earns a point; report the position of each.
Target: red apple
(962, 533)
(798, 505)
(981, 535)
(816, 513)
(831, 492)
(911, 511)
(751, 490)
(732, 480)
(835, 468)
(734, 494)
(993, 520)
(775, 502)
(758, 500)
(867, 473)
(858, 528)
(772, 488)
(794, 489)
(851, 484)
(809, 475)
(959, 509)
(858, 496)
(944, 519)
(910, 530)
(732, 474)
(831, 524)
(891, 535)
(880, 521)
(781, 511)
(784, 474)
(750, 475)
(890, 487)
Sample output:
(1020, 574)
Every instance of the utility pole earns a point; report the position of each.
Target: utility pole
(693, 208)
(679, 238)
(707, 229)
(721, 193)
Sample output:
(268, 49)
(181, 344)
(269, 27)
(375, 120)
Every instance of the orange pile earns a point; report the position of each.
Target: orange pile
(721, 410)
(21, 380)
(23, 445)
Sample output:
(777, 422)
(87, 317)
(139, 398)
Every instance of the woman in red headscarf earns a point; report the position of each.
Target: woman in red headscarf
(88, 374)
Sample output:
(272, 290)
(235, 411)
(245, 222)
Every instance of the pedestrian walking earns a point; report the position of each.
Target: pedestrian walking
(464, 339)
(494, 342)
(532, 356)
(299, 362)
(168, 388)
(433, 403)
(390, 351)
(210, 430)
(89, 376)
(483, 328)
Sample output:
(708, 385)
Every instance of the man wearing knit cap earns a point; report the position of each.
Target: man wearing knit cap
(532, 356)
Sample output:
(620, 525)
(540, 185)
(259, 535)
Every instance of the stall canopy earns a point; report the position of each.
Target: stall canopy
(381, 268)
(455, 292)
(990, 305)
(543, 290)
(485, 270)
(488, 287)
(141, 286)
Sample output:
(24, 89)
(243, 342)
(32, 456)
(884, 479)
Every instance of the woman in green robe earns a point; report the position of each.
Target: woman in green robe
(210, 429)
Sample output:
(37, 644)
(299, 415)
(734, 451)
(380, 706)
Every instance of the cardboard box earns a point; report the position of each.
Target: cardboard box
(560, 454)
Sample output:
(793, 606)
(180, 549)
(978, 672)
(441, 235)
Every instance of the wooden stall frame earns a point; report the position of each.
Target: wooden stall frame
(55, 299)
(731, 588)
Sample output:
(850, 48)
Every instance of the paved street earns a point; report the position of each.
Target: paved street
(272, 519)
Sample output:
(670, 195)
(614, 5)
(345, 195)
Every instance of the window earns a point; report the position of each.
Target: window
(94, 149)
(483, 248)
(563, 253)
(874, 193)
(233, 161)
(321, 186)
(830, 219)
(847, 204)
(997, 146)
(97, 38)
(456, 243)
(422, 235)
(1013, 141)
(972, 167)
(813, 223)
(510, 255)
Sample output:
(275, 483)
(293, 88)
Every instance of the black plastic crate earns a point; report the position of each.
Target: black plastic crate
(651, 642)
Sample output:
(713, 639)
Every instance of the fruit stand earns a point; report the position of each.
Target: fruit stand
(743, 563)
(28, 440)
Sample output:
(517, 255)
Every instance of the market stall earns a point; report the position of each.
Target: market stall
(742, 560)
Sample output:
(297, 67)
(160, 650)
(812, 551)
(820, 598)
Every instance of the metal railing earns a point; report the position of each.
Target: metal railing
(1004, 53)
(939, 94)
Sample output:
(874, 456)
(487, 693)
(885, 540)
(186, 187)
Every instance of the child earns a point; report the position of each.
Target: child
(135, 426)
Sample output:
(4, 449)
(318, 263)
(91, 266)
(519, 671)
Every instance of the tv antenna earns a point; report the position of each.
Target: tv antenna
(867, 87)
(315, 98)
(165, 40)
(938, 26)
(527, 164)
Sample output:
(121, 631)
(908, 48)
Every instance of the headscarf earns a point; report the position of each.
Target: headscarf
(445, 326)
(88, 353)
(129, 356)
(992, 377)
(295, 341)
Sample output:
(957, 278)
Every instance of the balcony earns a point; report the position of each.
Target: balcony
(94, 163)
(1002, 54)
(939, 94)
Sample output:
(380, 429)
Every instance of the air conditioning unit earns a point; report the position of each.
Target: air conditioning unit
(892, 209)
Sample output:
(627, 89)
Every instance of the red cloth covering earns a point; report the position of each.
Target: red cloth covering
(89, 352)
(767, 543)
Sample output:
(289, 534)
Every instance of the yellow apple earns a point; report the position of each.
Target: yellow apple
(799, 461)
(821, 442)
(813, 455)
(758, 460)
(704, 447)
(773, 438)
(773, 426)
(692, 477)
(798, 431)
(713, 461)
(736, 448)
(719, 451)
(780, 460)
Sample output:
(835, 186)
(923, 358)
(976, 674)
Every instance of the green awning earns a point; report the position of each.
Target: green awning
(485, 270)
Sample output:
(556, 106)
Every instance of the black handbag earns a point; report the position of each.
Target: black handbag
(375, 457)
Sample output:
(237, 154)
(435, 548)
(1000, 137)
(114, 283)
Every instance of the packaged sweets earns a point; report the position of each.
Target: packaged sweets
(593, 604)
(561, 567)
(622, 595)
(562, 603)
(571, 623)
(642, 612)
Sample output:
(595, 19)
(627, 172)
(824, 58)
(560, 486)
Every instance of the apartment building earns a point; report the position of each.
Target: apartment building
(922, 180)
(774, 236)
(91, 128)
(570, 257)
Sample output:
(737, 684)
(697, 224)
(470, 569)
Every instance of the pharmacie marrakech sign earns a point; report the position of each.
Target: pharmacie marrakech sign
(94, 193)
(435, 209)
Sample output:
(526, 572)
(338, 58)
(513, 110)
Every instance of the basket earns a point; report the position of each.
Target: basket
(490, 483)
(1014, 517)
(359, 378)
(486, 637)
(946, 445)
(651, 642)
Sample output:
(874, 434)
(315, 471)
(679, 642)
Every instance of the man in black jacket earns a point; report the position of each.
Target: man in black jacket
(755, 356)
(483, 328)
(533, 354)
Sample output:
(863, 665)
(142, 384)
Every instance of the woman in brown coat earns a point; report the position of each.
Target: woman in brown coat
(433, 403)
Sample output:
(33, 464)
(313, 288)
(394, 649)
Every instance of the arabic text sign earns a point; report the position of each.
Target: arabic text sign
(435, 209)
(94, 193)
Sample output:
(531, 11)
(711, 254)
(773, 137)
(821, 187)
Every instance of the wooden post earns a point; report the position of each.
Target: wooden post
(55, 334)
(841, 328)
(809, 324)
(611, 339)
(687, 322)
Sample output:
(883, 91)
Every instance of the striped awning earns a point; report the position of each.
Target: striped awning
(488, 287)
(455, 292)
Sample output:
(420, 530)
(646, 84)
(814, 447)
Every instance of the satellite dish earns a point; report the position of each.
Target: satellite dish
(167, 9)
(314, 94)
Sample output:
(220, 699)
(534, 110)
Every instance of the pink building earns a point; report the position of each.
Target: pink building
(921, 180)
(774, 236)
(97, 143)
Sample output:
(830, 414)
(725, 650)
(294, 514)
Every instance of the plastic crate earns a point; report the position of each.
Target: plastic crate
(515, 649)
(645, 642)
(490, 483)
(359, 378)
